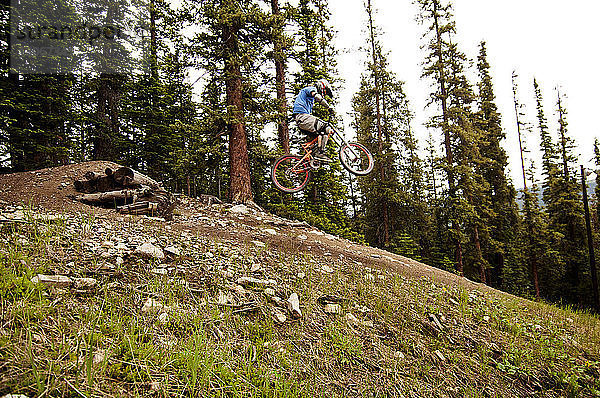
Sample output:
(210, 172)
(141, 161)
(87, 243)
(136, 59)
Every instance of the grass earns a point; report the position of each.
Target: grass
(62, 342)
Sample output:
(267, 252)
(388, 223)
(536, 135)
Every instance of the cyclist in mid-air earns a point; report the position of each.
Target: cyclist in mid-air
(303, 107)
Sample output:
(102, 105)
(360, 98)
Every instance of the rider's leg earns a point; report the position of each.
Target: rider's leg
(323, 138)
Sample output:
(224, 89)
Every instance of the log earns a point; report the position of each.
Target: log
(120, 196)
(124, 187)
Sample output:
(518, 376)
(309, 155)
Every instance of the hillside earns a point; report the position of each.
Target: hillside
(204, 305)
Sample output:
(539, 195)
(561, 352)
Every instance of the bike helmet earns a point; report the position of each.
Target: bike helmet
(323, 87)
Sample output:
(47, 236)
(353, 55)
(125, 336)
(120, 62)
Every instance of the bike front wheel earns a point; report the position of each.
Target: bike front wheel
(290, 173)
(356, 158)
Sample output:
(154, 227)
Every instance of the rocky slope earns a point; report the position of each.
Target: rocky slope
(232, 301)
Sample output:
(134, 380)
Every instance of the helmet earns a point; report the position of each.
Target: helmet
(323, 87)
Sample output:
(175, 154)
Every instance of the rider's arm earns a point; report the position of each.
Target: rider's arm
(319, 98)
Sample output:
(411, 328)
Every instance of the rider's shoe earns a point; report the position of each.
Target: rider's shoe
(320, 156)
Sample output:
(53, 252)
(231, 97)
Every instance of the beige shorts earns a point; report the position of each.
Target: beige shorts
(311, 124)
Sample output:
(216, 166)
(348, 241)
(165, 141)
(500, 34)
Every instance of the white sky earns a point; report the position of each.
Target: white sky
(551, 39)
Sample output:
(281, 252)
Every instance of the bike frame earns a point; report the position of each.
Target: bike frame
(334, 135)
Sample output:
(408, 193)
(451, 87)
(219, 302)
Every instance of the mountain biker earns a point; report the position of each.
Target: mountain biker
(303, 106)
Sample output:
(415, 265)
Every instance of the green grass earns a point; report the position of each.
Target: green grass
(60, 342)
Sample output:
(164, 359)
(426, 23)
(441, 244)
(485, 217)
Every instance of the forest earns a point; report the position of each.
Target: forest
(205, 107)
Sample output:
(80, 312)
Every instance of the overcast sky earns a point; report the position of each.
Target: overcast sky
(555, 41)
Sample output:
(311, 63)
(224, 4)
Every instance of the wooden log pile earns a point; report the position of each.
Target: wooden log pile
(127, 191)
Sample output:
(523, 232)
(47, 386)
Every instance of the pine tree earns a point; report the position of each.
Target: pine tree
(438, 16)
(566, 211)
(529, 200)
(279, 40)
(501, 193)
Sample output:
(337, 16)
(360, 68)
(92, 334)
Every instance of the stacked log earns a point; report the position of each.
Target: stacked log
(127, 191)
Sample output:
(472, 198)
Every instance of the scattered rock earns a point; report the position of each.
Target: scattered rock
(354, 321)
(278, 316)
(255, 267)
(15, 396)
(399, 355)
(302, 237)
(294, 305)
(250, 281)
(486, 318)
(119, 261)
(152, 305)
(270, 231)
(369, 276)
(173, 251)
(52, 280)
(163, 318)
(435, 321)
(269, 291)
(327, 269)
(315, 232)
(148, 250)
(438, 354)
(159, 271)
(239, 209)
(301, 275)
(333, 308)
(258, 243)
(85, 283)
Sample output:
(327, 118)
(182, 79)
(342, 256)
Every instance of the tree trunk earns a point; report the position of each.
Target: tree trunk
(278, 54)
(107, 119)
(482, 276)
(239, 185)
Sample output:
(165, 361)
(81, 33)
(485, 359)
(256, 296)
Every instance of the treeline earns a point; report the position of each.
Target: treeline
(455, 208)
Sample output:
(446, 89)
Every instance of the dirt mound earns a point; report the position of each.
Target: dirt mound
(50, 188)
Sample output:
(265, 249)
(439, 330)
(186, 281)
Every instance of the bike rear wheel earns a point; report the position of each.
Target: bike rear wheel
(289, 174)
(356, 158)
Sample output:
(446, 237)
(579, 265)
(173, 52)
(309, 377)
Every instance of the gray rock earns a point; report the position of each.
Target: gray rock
(438, 354)
(172, 250)
(152, 305)
(278, 316)
(294, 305)
(354, 321)
(85, 283)
(333, 308)
(148, 250)
(239, 209)
(52, 280)
(250, 281)
(159, 271)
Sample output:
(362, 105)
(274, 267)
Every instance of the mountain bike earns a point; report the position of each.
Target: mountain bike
(291, 173)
